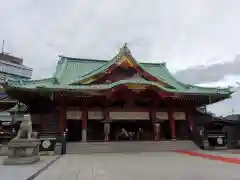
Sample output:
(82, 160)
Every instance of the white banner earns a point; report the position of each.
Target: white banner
(129, 115)
(71, 114)
(162, 115)
(95, 115)
(179, 116)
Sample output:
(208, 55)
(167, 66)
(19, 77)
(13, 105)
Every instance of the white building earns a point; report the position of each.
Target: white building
(11, 68)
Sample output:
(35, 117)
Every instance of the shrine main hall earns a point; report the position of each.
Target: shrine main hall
(120, 99)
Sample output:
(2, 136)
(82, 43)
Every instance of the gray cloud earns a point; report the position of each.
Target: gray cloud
(215, 73)
(183, 33)
(205, 74)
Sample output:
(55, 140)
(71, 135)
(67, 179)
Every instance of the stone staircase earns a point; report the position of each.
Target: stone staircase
(128, 147)
(50, 129)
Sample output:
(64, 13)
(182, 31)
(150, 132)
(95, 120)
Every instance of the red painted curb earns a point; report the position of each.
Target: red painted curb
(211, 157)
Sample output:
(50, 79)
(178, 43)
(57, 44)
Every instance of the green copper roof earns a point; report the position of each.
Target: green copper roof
(70, 70)
(64, 87)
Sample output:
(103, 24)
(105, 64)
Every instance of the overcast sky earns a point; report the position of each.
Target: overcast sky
(199, 38)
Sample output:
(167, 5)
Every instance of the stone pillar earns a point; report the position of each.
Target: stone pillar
(84, 126)
(107, 125)
(172, 124)
(107, 129)
(156, 127)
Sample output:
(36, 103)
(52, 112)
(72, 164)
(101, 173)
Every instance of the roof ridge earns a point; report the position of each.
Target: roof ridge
(84, 59)
(124, 51)
(102, 60)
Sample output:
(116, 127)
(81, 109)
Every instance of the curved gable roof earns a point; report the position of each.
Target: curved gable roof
(71, 70)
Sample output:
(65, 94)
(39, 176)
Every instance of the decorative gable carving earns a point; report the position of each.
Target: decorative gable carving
(122, 67)
(125, 62)
(119, 73)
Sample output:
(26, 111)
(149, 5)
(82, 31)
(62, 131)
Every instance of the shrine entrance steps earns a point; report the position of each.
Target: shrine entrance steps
(129, 147)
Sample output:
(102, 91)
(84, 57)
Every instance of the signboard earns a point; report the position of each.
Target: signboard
(71, 114)
(95, 115)
(179, 116)
(129, 115)
(162, 115)
(46, 144)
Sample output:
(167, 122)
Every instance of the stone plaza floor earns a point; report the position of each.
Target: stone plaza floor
(22, 172)
(142, 166)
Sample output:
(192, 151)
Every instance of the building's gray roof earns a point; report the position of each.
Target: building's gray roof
(233, 117)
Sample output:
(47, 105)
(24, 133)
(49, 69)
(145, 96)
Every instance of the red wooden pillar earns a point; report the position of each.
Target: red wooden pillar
(84, 125)
(152, 114)
(62, 121)
(106, 115)
(172, 124)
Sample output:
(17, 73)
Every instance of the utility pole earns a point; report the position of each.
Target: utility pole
(209, 100)
(3, 43)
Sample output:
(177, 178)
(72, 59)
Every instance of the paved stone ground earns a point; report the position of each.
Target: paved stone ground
(3, 150)
(24, 171)
(143, 166)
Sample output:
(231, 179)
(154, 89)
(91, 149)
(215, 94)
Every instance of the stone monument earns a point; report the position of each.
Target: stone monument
(24, 148)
